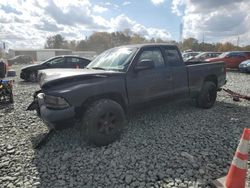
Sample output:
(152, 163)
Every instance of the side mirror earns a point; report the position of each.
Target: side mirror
(144, 65)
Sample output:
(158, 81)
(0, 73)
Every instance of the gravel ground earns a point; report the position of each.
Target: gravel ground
(171, 145)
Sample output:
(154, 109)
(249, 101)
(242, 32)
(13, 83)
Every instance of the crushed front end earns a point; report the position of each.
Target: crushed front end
(53, 110)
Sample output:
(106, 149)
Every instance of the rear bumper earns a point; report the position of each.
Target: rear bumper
(52, 116)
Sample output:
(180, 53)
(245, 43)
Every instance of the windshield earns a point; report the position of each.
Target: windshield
(114, 59)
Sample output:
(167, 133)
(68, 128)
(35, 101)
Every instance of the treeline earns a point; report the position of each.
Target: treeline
(100, 41)
(195, 45)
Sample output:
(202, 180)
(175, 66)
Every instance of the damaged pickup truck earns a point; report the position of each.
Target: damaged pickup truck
(119, 78)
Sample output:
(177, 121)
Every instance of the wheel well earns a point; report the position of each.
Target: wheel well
(113, 96)
(212, 78)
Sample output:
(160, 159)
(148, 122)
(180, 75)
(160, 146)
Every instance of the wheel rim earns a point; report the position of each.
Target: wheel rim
(210, 96)
(107, 123)
(33, 77)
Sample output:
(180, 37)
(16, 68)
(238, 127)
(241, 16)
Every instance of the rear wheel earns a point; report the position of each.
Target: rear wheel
(207, 96)
(103, 122)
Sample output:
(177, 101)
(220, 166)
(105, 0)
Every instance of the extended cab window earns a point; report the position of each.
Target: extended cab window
(173, 57)
(154, 55)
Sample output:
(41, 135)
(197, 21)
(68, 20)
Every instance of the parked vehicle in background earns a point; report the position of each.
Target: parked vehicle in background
(232, 59)
(29, 73)
(189, 55)
(204, 55)
(20, 59)
(118, 79)
(245, 66)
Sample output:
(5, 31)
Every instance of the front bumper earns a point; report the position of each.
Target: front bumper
(52, 116)
(244, 69)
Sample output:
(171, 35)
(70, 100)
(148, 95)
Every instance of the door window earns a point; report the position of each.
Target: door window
(56, 62)
(153, 55)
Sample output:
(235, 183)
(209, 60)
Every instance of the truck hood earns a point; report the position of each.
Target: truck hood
(58, 76)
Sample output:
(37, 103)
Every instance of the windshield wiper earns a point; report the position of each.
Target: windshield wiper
(98, 68)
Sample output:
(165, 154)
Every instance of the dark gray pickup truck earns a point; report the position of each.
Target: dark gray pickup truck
(119, 78)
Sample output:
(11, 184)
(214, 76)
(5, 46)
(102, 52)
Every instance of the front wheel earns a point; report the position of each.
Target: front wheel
(207, 95)
(103, 122)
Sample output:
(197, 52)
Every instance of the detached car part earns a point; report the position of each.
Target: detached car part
(6, 95)
(236, 96)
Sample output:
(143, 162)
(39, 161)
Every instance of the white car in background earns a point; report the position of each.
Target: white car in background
(189, 55)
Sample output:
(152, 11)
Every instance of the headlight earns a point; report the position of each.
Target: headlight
(246, 65)
(55, 102)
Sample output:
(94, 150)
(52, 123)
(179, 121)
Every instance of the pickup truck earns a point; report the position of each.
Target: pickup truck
(99, 96)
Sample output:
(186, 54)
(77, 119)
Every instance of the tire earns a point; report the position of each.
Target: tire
(207, 96)
(33, 77)
(103, 122)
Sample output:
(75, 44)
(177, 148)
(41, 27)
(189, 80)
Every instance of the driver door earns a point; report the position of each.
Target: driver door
(145, 85)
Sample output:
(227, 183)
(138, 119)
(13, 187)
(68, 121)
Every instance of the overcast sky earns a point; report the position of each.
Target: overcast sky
(27, 23)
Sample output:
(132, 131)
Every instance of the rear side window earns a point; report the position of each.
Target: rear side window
(72, 60)
(173, 57)
(83, 62)
(236, 54)
(215, 55)
(75, 60)
(241, 54)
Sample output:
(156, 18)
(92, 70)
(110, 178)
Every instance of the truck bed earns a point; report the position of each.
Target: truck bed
(198, 70)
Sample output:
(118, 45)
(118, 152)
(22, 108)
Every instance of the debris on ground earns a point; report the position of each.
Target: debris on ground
(236, 96)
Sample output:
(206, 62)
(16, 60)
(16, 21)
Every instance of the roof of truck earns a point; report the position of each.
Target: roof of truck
(148, 45)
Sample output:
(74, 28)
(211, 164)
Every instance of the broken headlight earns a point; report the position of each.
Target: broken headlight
(55, 102)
